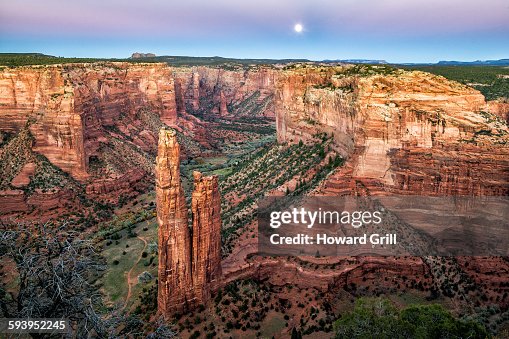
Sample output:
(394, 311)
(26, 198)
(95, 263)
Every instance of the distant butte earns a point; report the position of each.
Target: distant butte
(137, 55)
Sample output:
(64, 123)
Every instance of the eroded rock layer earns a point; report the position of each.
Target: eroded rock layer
(99, 122)
(385, 120)
(187, 265)
(206, 209)
(499, 108)
(67, 106)
(174, 242)
(238, 92)
(43, 95)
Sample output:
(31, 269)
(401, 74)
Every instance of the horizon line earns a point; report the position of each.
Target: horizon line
(265, 58)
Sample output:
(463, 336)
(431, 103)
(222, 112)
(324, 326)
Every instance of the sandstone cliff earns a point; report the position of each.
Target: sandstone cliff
(206, 209)
(240, 92)
(75, 109)
(69, 105)
(499, 108)
(174, 241)
(99, 122)
(42, 95)
(373, 112)
(187, 267)
(223, 109)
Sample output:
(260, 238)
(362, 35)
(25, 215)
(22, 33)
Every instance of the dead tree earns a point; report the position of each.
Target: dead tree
(53, 267)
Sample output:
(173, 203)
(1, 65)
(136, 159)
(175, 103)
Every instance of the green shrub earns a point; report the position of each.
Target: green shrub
(378, 318)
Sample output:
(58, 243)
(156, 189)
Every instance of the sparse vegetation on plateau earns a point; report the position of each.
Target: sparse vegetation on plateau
(368, 70)
(491, 81)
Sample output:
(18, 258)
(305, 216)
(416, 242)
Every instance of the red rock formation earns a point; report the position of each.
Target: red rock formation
(41, 204)
(175, 289)
(53, 199)
(206, 207)
(195, 91)
(42, 94)
(223, 110)
(69, 104)
(108, 92)
(110, 189)
(250, 91)
(12, 201)
(499, 108)
(75, 108)
(373, 116)
(465, 170)
(23, 177)
(179, 98)
(387, 273)
(187, 267)
(98, 111)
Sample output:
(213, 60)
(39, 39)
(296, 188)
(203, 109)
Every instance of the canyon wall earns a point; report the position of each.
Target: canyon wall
(221, 91)
(68, 106)
(74, 109)
(43, 96)
(500, 108)
(99, 122)
(444, 129)
(188, 265)
(107, 94)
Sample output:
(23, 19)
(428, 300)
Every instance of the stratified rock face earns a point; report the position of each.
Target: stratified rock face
(451, 170)
(194, 92)
(250, 92)
(206, 207)
(44, 96)
(74, 110)
(223, 109)
(179, 98)
(431, 120)
(68, 105)
(499, 108)
(187, 267)
(13, 201)
(104, 93)
(175, 281)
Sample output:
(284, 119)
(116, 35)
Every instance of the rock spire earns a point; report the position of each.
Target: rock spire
(189, 259)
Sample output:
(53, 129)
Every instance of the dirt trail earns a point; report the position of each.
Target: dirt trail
(132, 280)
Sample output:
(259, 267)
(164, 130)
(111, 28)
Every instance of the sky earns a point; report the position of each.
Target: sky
(391, 30)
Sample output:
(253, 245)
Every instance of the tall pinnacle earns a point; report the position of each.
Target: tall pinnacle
(175, 281)
(206, 207)
(188, 268)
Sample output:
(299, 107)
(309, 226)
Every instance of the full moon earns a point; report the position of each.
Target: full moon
(297, 28)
